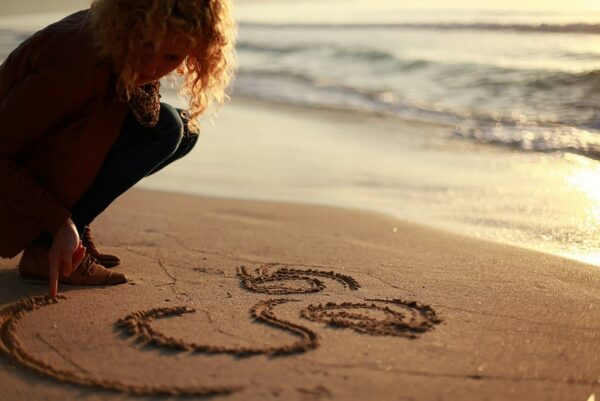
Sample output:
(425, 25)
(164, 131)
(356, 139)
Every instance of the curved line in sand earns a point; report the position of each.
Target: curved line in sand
(138, 324)
(395, 323)
(266, 281)
(11, 315)
(408, 319)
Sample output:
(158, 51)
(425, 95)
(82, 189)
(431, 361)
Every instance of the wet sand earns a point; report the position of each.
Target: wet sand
(246, 300)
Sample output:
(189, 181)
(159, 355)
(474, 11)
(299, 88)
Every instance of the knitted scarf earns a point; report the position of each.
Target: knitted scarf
(144, 103)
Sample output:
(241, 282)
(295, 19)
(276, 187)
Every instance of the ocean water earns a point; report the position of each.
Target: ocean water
(527, 81)
(483, 123)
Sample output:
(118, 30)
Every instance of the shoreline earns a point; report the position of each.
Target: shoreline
(406, 169)
(379, 215)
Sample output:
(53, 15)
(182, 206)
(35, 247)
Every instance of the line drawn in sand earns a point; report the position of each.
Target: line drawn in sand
(272, 279)
(138, 324)
(404, 319)
(394, 318)
(11, 315)
(379, 317)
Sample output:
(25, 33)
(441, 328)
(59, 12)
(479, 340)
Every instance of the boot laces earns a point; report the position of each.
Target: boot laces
(87, 264)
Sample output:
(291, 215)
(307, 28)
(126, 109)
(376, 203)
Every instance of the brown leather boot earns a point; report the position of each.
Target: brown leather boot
(34, 263)
(104, 259)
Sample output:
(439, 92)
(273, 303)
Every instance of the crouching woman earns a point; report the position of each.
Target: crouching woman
(81, 122)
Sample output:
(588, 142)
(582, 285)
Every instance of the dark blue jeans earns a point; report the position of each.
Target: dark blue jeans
(137, 153)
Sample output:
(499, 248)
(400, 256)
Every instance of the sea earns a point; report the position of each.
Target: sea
(521, 89)
(529, 81)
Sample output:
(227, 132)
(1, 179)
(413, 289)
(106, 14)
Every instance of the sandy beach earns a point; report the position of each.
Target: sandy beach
(331, 240)
(295, 302)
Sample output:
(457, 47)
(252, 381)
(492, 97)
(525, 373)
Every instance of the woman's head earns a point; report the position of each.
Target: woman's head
(147, 39)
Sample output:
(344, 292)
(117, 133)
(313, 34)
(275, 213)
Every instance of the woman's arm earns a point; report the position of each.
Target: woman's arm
(30, 109)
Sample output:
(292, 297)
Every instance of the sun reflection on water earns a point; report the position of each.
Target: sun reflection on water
(584, 188)
(586, 179)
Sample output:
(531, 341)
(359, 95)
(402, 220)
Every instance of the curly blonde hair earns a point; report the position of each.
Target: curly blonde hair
(122, 27)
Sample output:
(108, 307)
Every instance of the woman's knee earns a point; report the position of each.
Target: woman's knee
(170, 127)
(187, 143)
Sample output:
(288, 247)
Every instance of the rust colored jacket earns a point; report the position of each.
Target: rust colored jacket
(59, 116)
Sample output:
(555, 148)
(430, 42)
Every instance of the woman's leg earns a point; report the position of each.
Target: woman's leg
(138, 152)
(188, 141)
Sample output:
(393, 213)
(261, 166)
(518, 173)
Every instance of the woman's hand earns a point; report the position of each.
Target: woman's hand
(66, 254)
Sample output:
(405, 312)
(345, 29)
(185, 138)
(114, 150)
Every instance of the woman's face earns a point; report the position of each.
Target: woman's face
(159, 60)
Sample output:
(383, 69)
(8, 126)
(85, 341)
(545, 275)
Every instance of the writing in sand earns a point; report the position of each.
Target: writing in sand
(378, 317)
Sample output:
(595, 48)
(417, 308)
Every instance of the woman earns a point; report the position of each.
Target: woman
(81, 122)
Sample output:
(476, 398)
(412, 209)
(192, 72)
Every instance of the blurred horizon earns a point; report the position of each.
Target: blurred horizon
(15, 7)
(298, 8)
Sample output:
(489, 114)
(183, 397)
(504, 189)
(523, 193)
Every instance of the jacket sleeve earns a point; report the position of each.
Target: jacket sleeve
(28, 110)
